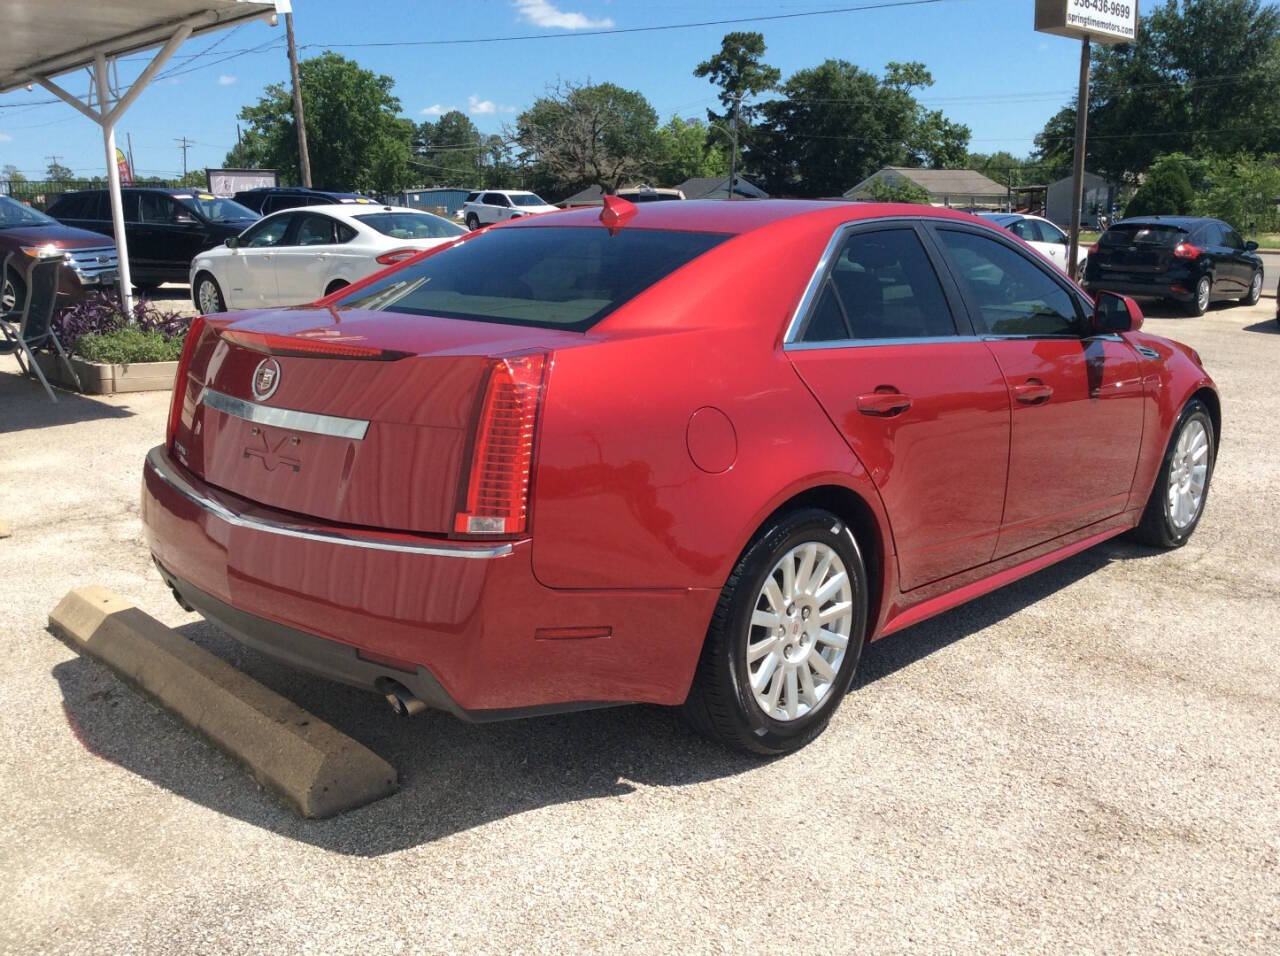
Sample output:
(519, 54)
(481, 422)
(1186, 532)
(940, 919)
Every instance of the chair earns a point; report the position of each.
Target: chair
(35, 327)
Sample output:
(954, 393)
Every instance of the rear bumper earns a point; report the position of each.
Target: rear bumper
(468, 629)
(1162, 288)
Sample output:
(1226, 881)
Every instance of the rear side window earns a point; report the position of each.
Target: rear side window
(412, 225)
(550, 277)
(1013, 295)
(887, 288)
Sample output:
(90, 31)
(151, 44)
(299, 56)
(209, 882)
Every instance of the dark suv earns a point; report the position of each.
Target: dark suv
(269, 199)
(1192, 261)
(165, 228)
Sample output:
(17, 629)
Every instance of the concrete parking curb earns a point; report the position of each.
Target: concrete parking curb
(315, 767)
(4, 529)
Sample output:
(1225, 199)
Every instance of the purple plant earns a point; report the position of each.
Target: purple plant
(103, 312)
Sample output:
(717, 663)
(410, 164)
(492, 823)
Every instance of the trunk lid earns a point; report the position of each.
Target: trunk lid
(1139, 247)
(337, 430)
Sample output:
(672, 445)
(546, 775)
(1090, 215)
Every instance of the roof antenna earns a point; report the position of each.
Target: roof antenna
(616, 212)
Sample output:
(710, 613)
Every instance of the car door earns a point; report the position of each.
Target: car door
(1208, 238)
(171, 234)
(306, 261)
(497, 207)
(920, 400)
(1242, 263)
(1075, 401)
(250, 270)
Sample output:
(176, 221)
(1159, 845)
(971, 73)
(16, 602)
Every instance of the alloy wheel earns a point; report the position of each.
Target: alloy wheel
(1188, 475)
(799, 632)
(1255, 287)
(208, 297)
(1202, 294)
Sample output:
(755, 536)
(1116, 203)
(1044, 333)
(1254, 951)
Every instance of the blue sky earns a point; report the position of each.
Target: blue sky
(991, 70)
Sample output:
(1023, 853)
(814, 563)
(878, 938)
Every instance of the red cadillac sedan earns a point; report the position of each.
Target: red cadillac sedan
(692, 454)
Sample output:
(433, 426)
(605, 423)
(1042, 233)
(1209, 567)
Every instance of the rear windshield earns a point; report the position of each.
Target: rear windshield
(412, 225)
(1143, 234)
(555, 278)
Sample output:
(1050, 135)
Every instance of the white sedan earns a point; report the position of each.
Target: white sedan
(298, 255)
(1042, 235)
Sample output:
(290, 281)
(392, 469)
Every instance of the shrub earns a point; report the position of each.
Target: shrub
(123, 346)
(1166, 192)
(903, 190)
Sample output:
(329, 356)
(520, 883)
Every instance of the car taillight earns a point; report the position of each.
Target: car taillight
(179, 396)
(322, 345)
(497, 494)
(397, 255)
(1093, 248)
(1185, 250)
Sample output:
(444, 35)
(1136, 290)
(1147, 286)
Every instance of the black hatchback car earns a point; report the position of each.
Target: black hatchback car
(269, 199)
(1190, 260)
(165, 228)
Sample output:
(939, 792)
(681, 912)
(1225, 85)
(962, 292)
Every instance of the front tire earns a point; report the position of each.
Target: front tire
(13, 294)
(1199, 304)
(785, 637)
(1182, 487)
(1255, 290)
(207, 295)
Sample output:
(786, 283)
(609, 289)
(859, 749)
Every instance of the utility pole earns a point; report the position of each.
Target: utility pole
(733, 149)
(184, 144)
(304, 158)
(1077, 161)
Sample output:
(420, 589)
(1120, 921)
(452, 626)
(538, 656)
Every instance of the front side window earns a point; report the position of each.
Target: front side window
(528, 199)
(549, 277)
(495, 199)
(1231, 239)
(885, 286)
(270, 232)
(1013, 295)
(1051, 233)
(412, 225)
(216, 209)
(157, 208)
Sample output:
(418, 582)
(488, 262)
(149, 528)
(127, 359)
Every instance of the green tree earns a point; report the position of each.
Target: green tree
(355, 135)
(56, 172)
(580, 135)
(902, 190)
(1167, 190)
(1242, 190)
(450, 151)
(1203, 79)
(196, 179)
(11, 174)
(1006, 169)
(740, 72)
(683, 152)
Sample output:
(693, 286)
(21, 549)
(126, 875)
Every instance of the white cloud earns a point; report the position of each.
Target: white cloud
(435, 109)
(545, 14)
(5, 138)
(226, 79)
(479, 107)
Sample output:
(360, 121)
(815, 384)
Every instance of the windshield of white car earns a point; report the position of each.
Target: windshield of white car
(14, 215)
(552, 278)
(527, 199)
(412, 225)
(215, 209)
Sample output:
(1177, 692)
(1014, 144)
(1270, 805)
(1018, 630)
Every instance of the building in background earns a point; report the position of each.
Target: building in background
(1099, 197)
(957, 188)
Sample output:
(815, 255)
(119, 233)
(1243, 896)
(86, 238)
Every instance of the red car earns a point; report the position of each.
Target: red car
(682, 453)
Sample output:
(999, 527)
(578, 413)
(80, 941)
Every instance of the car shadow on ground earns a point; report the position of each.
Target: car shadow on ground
(1267, 327)
(456, 776)
(25, 404)
(1166, 309)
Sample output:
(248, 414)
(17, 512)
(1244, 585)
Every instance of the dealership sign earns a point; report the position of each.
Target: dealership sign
(1102, 21)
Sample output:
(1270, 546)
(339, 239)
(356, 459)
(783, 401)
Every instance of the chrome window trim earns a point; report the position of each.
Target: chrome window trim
(873, 343)
(292, 419)
(160, 467)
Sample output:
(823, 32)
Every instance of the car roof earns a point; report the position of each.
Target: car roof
(741, 216)
(1182, 222)
(350, 211)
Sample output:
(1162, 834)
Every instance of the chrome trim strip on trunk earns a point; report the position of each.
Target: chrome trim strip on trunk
(157, 463)
(292, 419)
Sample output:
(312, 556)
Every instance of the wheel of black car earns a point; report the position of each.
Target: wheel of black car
(785, 637)
(208, 296)
(13, 293)
(1182, 487)
(1255, 289)
(1199, 305)
(473, 221)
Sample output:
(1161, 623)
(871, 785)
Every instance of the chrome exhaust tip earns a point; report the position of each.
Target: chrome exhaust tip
(401, 699)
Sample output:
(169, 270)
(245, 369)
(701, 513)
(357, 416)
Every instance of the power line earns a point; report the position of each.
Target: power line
(615, 31)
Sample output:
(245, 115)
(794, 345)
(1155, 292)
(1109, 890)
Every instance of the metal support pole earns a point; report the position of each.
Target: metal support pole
(1077, 161)
(113, 182)
(304, 157)
(733, 148)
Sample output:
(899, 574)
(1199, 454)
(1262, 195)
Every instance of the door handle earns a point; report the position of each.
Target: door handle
(884, 403)
(1033, 392)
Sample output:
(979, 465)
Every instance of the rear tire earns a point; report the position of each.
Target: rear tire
(1255, 290)
(728, 700)
(473, 221)
(1199, 304)
(1171, 516)
(207, 295)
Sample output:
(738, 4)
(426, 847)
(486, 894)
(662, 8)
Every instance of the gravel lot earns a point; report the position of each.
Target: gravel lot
(1086, 760)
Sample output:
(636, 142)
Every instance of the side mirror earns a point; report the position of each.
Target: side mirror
(233, 242)
(1251, 246)
(1115, 313)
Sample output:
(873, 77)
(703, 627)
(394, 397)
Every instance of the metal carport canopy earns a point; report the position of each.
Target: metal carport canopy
(42, 39)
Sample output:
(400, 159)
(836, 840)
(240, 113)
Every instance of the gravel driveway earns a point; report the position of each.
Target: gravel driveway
(1086, 760)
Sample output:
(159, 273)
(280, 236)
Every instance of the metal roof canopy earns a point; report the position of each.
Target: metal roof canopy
(44, 38)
